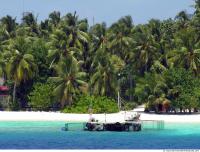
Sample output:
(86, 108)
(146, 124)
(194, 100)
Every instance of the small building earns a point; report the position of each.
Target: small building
(4, 96)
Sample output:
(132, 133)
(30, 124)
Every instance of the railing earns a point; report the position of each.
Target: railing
(74, 126)
(153, 124)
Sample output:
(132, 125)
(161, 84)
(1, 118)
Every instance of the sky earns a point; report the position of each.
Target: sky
(107, 11)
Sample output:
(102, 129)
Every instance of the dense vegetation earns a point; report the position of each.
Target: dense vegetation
(48, 64)
(93, 104)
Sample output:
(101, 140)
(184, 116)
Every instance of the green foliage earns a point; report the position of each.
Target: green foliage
(97, 103)
(14, 106)
(129, 106)
(148, 63)
(69, 81)
(176, 88)
(186, 85)
(41, 98)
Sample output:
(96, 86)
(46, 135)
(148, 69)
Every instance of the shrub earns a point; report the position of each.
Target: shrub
(98, 104)
(14, 106)
(41, 98)
(130, 105)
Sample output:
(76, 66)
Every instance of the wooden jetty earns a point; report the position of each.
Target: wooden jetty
(133, 126)
(118, 126)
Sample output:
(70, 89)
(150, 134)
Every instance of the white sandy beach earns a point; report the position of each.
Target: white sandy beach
(116, 117)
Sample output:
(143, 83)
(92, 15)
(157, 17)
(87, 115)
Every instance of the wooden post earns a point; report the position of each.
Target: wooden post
(66, 127)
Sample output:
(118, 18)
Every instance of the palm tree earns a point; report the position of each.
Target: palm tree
(45, 28)
(59, 47)
(10, 24)
(103, 80)
(188, 52)
(162, 44)
(2, 65)
(30, 22)
(120, 39)
(196, 18)
(99, 34)
(69, 80)
(4, 58)
(74, 30)
(21, 66)
(121, 45)
(182, 20)
(145, 51)
(54, 18)
(197, 7)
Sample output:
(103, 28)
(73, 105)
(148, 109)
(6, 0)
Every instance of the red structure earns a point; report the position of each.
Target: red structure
(4, 88)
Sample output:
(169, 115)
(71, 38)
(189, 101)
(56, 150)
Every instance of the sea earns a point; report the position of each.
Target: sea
(51, 135)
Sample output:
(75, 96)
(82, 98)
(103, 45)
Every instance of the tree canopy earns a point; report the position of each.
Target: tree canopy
(147, 63)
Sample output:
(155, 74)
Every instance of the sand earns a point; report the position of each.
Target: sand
(116, 117)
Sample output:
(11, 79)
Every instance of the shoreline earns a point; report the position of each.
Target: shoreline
(114, 117)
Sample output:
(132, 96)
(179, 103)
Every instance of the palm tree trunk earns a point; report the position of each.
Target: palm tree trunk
(145, 67)
(14, 91)
(62, 103)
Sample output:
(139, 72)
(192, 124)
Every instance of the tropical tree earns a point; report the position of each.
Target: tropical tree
(103, 81)
(156, 30)
(188, 52)
(59, 46)
(9, 24)
(120, 40)
(99, 34)
(4, 56)
(69, 80)
(21, 66)
(145, 50)
(54, 18)
(74, 29)
(182, 20)
(30, 23)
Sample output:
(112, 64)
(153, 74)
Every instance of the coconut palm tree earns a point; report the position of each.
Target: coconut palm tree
(74, 30)
(10, 24)
(30, 22)
(99, 36)
(145, 51)
(103, 81)
(120, 39)
(54, 18)
(196, 18)
(21, 66)
(4, 58)
(120, 45)
(182, 19)
(188, 52)
(69, 80)
(2, 65)
(59, 46)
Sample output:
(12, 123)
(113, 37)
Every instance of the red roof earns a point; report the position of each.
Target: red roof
(4, 88)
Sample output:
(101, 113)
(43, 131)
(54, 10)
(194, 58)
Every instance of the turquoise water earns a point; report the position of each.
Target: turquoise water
(49, 135)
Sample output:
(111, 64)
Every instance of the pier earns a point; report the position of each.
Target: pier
(123, 126)
(132, 126)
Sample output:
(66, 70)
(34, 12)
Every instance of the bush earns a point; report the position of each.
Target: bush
(185, 84)
(41, 98)
(98, 104)
(130, 106)
(14, 106)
